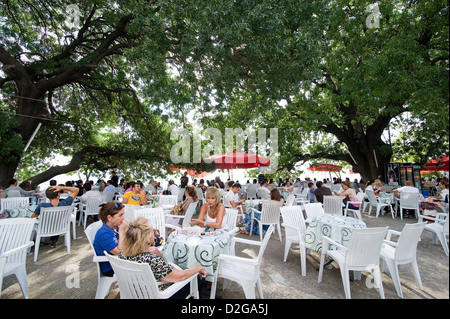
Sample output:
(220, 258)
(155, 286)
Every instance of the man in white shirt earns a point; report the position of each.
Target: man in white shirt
(173, 188)
(233, 195)
(151, 187)
(88, 192)
(265, 187)
(408, 188)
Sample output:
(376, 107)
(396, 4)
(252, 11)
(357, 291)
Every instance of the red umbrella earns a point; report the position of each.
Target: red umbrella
(438, 164)
(235, 159)
(324, 167)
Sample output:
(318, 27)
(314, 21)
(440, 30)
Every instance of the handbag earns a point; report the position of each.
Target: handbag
(177, 210)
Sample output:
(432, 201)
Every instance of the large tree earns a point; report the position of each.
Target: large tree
(368, 77)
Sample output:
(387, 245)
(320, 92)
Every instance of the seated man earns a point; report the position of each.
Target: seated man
(137, 195)
(321, 191)
(53, 194)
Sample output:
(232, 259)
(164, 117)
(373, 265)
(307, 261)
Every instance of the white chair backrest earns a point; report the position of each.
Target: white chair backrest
(290, 200)
(371, 196)
(225, 201)
(93, 204)
(293, 216)
(262, 194)
(189, 213)
(231, 217)
(199, 194)
(129, 211)
(360, 196)
(14, 202)
(168, 200)
(136, 280)
(409, 200)
(297, 190)
(54, 220)
(265, 241)
(313, 210)
(251, 193)
(270, 212)
(13, 193)
(446, 224)
(333, 204)
(364, 246)
(15, 232)
(90, 232)
(408, 240)
(109, 195)
(155, 216)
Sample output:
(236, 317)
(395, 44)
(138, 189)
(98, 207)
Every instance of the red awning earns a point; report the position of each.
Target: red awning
(438, 164)
(235, 160)
(324, 167)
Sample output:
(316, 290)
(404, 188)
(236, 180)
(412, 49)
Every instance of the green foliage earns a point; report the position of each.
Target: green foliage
(11, 145)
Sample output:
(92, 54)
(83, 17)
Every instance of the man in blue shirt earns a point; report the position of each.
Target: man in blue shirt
(52, 194)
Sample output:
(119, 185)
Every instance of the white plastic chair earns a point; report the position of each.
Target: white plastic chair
(15, 235)
(295, 228)
(269, 215)
(290, 200)
(186, 218)
(333, 204)
(129, 211)
(244, 271)
(109, 196)
(14, 202)
(156, 218)
(91, 208)
(168, 201)
(362, 253)
(263, 195)
(53, 221)
(251, 193)
(409, 201)
(103, 282)
(378, 203)
(136, 281)
(356, 212)
(313, 210)
(439, 228)
(402, 252)
(230, 219)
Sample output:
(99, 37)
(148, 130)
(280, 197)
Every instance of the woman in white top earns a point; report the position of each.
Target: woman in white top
(350, 192)
(212, 213)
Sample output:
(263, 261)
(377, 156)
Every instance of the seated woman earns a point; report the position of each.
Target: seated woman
(275, 196)
(350, 193)
(136, 246)
(108, 237)
(212, 212)
(191, 197)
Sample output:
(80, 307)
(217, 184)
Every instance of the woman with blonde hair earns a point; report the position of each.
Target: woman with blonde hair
(138, 238)
(212, 212)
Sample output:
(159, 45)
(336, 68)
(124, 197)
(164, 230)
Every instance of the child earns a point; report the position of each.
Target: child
(312, 196)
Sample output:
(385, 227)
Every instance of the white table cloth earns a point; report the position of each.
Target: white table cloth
(191, 247)
(338, 228)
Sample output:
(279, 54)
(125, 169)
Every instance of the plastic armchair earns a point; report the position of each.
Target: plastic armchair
(356, 212)
(136, 281)
(333, 204)
(109, 196)
(15, 234)
(440, 228)
(409, 201)
(269, 215)
(156, 218)
(263, 195)
(251, 193)
(290, 200)
(186, 218)
(14, 202)
(378, 203)
(91, 208)
(54, 221)
(244, 271)
(295, 228)
(313, 210)
(168, 201)
(362, 253)
(402, 252)
(103, 282)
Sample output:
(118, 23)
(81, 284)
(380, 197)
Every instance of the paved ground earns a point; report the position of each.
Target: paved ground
(52, 276)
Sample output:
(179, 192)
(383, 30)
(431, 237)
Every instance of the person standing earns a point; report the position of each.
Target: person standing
(114, 179)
